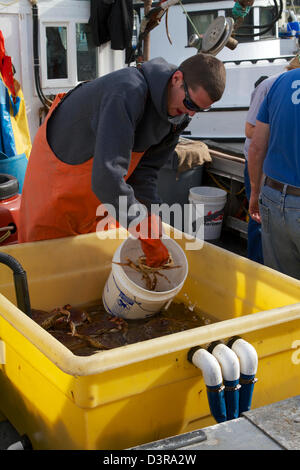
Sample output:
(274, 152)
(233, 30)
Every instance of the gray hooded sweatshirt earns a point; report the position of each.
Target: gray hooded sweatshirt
(108, 118)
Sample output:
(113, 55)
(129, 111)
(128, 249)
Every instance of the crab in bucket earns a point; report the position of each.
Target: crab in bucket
(149, 274)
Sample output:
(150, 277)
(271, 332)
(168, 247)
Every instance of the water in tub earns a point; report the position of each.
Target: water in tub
(88, 329)
(91, 328)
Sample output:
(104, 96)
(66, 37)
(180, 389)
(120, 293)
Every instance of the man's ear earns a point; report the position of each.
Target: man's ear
(177, 78)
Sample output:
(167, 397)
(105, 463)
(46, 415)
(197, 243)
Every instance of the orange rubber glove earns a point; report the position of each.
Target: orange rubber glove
(155, 251)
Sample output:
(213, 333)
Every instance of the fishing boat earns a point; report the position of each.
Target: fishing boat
(257, 54)
(261, 47)
(51, 50)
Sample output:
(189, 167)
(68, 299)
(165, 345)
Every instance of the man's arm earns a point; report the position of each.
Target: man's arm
(144, 179)
(256, 155)
(249, 130)
(112, 153)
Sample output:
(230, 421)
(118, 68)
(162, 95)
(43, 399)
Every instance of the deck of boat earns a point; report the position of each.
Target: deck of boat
(271, 427)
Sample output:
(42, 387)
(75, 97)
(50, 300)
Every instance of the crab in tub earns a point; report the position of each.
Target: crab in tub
(64, 323)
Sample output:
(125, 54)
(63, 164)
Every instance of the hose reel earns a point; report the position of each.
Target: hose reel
(216, 37)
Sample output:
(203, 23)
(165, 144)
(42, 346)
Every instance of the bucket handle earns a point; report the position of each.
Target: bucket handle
(167, 305)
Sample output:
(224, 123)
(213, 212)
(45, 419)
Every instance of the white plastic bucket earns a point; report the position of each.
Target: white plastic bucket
(124, 293)
(207, 201)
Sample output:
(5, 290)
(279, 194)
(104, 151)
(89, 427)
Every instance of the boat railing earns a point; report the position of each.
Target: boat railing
(254, 61)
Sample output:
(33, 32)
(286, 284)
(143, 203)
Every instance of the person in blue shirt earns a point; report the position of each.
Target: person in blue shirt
(274, 170)
(262, 87)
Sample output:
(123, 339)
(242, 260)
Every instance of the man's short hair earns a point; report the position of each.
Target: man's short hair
(207, 71)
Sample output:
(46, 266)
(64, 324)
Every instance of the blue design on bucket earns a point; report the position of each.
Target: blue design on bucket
(129, 300)
(122, 303)
(123, 297)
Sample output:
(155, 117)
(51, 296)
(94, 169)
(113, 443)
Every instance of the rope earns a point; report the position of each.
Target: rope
(189, 18)
(5, 236)
(223, 187)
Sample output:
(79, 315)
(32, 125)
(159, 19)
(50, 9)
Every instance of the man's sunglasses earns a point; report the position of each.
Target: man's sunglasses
(189, 103)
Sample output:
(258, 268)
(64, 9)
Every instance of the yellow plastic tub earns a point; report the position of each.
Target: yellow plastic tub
(146, 391)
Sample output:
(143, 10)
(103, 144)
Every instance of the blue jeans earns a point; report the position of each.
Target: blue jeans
(254, 247)
(280, 220)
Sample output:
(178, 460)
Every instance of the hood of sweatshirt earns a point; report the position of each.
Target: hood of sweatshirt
(157, 73)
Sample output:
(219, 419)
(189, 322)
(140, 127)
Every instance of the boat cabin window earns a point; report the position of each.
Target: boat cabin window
(56, 45)
(248, 20)
(68, 55)
(86, 53)
(265, 17)
(201, 20)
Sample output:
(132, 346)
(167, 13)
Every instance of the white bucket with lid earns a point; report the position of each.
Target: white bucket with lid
(208, 207)
(125, 294)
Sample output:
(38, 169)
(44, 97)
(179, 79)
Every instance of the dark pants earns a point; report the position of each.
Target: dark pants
(254, 229)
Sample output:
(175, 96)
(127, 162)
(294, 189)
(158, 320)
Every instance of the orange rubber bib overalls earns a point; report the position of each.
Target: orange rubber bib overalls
(57, 198)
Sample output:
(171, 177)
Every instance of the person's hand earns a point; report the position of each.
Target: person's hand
(254, 208)
(154, 250)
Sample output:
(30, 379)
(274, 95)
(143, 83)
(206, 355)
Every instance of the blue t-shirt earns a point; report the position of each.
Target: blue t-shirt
(281, 110)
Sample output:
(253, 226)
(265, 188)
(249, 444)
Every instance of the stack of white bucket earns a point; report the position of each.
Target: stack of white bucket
(207, 202)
